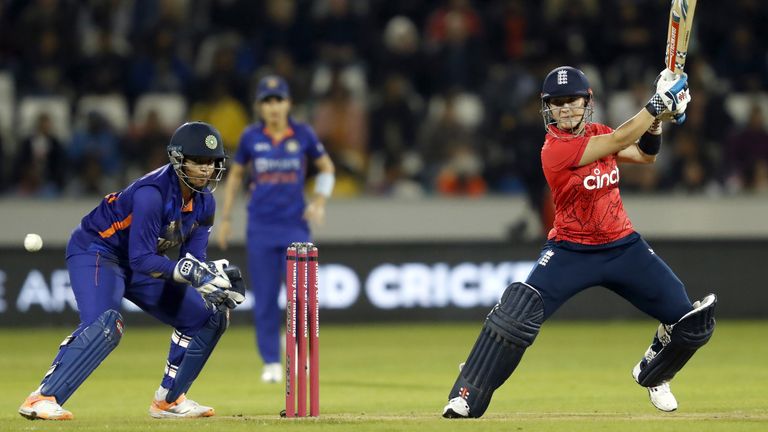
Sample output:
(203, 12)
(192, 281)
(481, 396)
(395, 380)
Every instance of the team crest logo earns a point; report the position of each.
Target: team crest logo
(464, 393)
(292, 146)
(562, 77)
(211, 142)
(272, 83)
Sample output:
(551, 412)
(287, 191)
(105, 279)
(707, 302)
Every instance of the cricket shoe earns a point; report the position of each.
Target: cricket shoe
(661, 395)
(39, 407)
(272, 373)
(456, 408)
(180, 408)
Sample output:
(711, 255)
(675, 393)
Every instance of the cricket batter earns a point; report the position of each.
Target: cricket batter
(276, 152)
(592, 243)
(117, 252)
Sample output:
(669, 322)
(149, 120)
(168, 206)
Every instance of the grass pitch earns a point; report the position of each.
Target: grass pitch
(576, 377)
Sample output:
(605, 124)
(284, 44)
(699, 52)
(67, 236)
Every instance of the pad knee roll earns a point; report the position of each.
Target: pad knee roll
(679, 342)
(511, 327)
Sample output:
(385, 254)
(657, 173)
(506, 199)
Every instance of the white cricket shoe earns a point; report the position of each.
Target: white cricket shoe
(661, 395)
(39, 407)
(181, 408)
(272, 373)
(456, 408)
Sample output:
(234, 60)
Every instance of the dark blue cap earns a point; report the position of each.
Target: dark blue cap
(565, 81)
(272, 85)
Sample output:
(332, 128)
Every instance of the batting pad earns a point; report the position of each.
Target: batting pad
(680, 343)
(510, 328)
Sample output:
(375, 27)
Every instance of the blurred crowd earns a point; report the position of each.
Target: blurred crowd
(411, 98)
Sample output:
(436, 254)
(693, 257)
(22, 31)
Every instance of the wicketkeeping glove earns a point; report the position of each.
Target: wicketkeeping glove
(223, 299)
(198, 274)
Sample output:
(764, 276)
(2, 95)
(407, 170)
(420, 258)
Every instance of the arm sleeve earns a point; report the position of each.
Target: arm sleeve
(145, 229)
(197, 243)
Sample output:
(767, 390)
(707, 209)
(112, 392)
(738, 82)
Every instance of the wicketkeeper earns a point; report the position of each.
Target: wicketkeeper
(117, 252)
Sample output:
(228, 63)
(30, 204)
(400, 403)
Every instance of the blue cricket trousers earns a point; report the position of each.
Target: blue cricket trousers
(266, 269)
(628, 267)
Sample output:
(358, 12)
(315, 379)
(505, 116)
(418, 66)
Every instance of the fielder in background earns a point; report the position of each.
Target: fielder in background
(592, 243)
(117, 252)
(275, 151)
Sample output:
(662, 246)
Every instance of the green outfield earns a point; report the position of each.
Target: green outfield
(576, 377)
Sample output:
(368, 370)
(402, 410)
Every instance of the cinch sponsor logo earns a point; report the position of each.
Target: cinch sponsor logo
(598, 180)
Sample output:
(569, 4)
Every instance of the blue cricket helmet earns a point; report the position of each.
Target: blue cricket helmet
(197, 139)
(565, 81)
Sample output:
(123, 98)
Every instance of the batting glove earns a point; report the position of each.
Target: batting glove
(672, 96)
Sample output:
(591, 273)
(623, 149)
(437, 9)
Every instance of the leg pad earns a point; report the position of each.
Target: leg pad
(511, 327)
(199, 349)
(679, 342)
(82, 355)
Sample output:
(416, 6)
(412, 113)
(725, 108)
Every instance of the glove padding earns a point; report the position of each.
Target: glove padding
(198, 274)
(223, 299)
(671, 98)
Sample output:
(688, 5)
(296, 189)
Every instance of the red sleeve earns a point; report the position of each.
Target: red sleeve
(557, 154)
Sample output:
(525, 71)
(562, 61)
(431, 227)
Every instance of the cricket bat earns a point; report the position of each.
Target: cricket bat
(678, 34)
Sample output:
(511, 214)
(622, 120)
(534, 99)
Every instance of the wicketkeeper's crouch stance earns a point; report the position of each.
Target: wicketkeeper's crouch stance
(118, 252)
(592, 243)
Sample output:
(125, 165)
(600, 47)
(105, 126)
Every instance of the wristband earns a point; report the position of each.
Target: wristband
(655, 106)
(324, 184)
(649, 144)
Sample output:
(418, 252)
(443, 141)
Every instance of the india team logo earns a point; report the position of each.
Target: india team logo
(292, 146)
(211, 142)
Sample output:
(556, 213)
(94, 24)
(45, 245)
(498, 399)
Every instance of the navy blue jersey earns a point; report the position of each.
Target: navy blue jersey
(278, 170)
(138, 225)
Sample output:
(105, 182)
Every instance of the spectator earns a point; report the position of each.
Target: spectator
(95, 155)
(39, 165)
(401, 53)
(448, 146)
(145, 146)
(747, 154)
(341, 123)
(223, 111)
(458, 59)
(691, 168)
(104, 70)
